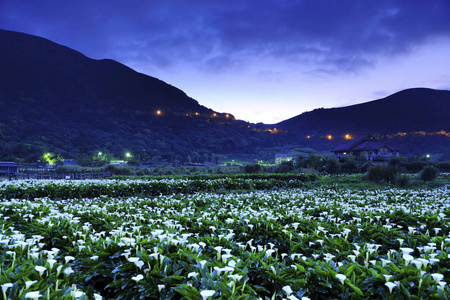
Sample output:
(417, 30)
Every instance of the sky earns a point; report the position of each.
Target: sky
(260, 60)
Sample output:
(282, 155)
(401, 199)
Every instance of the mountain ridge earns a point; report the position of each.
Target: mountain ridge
(56, 99)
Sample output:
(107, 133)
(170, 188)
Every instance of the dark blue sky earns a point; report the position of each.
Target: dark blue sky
(260, 60)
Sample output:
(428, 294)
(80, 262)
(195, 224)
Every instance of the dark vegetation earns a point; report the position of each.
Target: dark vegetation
(55, 99)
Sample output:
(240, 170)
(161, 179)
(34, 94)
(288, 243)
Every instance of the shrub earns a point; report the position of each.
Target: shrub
(285, 167)
(428, 174)
(332, 166)
(255, 168)
(383, 173)
(403, 180)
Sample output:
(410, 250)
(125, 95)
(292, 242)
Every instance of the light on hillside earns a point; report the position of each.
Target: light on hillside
(348, 136)
(158, 112)
(330, 137)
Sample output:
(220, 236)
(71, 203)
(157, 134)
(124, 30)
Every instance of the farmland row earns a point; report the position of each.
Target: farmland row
(289, 244)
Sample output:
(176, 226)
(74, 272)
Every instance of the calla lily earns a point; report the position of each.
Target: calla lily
(390, 285)
(207, 293)
(137, 277)
(341, 278)
(288, 290)
(33, 295)
(438, 277)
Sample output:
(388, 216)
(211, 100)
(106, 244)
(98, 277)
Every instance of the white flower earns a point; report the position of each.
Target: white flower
(69, 258)
(95, 257)
(407, 258)
(235, 277)
(207, 293)
(133, 259)
(161, 287)
(6, 286)
(287, 289)
(407, 250)
(438, 277)
(192, 274)
(137, 277)
(139, 264)
(76, 294)
(341, 277)
(97, 297)
(68, 271)
(33, 295)
(29, 283)
(390, 285)
(51, 262)
(40, 269)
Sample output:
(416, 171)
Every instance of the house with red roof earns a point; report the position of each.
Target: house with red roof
(368, 146)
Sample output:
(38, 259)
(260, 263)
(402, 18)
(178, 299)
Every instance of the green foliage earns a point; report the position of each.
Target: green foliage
(253, 168)
(403, 180)
(428, 173)
(383, 173)
(321, 243)
(285, 167)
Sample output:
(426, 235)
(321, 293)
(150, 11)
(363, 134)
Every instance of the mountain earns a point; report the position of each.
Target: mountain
(410, 110)
(55, 99)
(417, 120)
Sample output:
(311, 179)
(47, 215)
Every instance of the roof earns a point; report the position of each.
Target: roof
(352, 143)
(362, 143)
(8, 164)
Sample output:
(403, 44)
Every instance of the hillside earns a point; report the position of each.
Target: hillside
(56, 99)
(411, 110)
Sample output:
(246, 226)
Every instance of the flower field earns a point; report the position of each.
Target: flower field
(289, 243)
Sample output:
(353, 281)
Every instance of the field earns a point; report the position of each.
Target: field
(211, 238)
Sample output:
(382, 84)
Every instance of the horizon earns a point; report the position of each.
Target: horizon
(262, 63)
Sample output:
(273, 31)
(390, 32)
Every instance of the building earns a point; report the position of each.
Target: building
(7, 167)
(368, 146)
(69, 162)
(280, 158)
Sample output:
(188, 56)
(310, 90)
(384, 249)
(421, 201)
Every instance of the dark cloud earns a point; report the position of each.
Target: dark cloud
(340, 35)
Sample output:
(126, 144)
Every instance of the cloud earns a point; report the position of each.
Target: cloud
(340, 36)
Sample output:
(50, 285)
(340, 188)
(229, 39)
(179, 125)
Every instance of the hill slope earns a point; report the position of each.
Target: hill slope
(417, 120)
(411, 110)
(56, 99)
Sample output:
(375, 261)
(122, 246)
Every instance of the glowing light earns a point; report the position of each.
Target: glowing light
(330, 137)
(214, 115)
(197, 114)
(308, 136)
(158, 112)
(99, 154)
(128, 154)
(227, 115)
(428, 155)
(348, 136)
